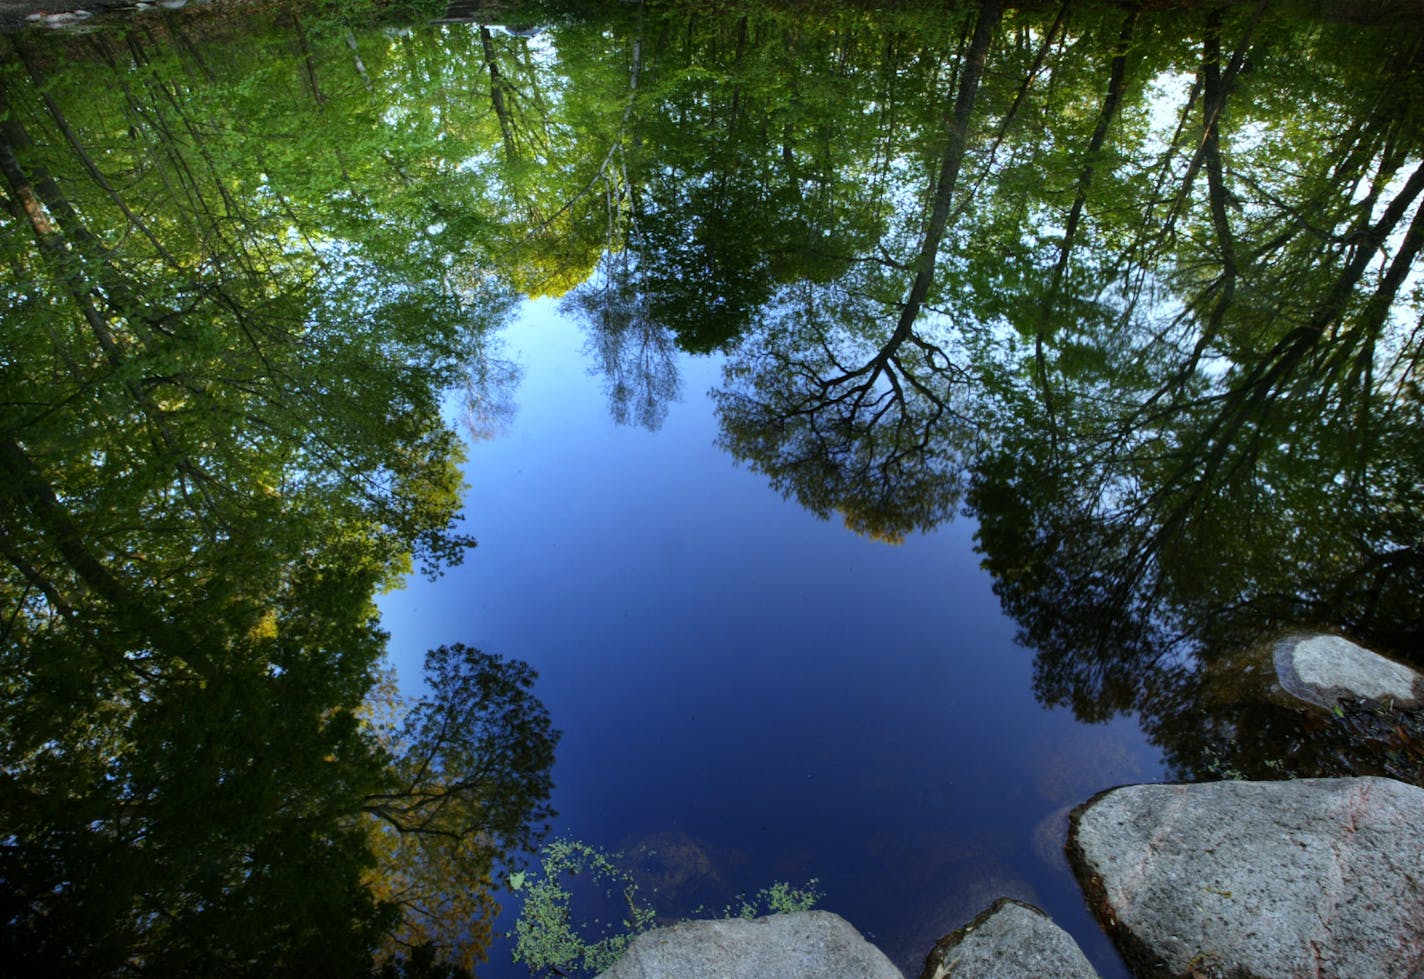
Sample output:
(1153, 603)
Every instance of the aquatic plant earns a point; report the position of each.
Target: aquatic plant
(779, 898)
(547, 937)
(550, 937)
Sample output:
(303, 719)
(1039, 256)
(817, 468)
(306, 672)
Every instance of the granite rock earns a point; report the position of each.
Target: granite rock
(1315, 877)
(1010, 940)
(804, 945)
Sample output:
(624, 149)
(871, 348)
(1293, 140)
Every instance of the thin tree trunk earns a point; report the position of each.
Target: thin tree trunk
(497, 83)
(85, 160)
(957, 141)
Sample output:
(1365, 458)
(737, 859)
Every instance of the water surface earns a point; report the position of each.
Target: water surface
(882, 429)
(735, 675)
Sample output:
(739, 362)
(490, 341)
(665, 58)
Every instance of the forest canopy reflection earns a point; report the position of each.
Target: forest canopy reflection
(1137, 287)
(227, 335)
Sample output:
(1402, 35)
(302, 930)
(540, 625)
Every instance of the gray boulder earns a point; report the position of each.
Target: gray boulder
(1323, 669)
(1316, 877)
(805, 945)
(1010, 940)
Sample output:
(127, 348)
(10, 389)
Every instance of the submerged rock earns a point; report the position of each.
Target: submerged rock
(1050, 836)
(1316, 877)
(1245, 714)
(1325, 669)
(805, 945)
(1010, 940)
(677, 867)
(952, 878)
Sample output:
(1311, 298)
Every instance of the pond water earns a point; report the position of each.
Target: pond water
(883, 429)
(750, 692)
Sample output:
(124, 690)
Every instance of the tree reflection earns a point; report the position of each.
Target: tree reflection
(635, 354)
(1171, 355)
(1252, 472)
(845, 425)
(868, 432)
(1136, 287)
(468, 784)
(222, 436)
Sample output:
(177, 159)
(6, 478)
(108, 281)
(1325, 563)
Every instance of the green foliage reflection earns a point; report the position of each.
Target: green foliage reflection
(1138, 288)
(222, 370)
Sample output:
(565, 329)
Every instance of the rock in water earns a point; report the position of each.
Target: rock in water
(1316, 877)
(1011, 940)
(805, 945)
(1323, 669)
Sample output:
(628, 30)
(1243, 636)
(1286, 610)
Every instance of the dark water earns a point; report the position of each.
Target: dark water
(883, 428)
